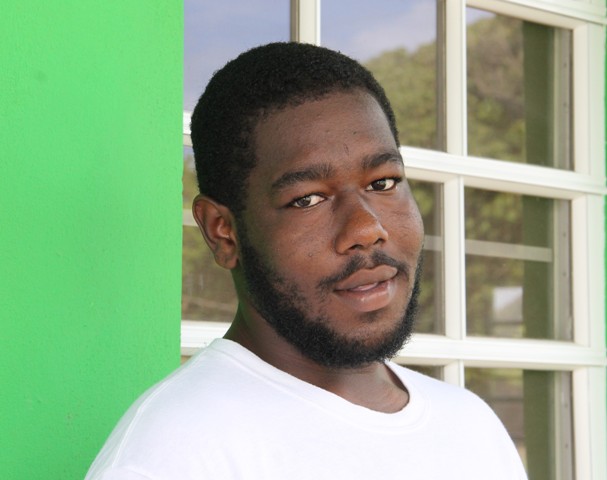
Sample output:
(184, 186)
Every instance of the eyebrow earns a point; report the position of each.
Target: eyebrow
(374, 161)
(323, 171)
(313, 173)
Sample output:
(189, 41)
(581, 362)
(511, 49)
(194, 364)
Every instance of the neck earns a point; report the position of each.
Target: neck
(373, 385)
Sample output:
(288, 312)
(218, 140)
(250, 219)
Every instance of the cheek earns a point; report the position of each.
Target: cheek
(306, 244)
(293, 248)
(408, 227)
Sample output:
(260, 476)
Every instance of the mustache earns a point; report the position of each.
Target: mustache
(359, 262)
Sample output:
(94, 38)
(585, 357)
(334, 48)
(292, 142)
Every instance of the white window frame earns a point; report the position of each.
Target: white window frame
(584, 187)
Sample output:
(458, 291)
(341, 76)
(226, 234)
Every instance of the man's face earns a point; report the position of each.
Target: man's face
(330, 239)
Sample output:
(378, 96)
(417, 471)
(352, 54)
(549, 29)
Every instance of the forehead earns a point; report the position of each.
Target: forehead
(331, 130)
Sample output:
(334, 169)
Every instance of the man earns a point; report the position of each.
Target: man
(304, 198)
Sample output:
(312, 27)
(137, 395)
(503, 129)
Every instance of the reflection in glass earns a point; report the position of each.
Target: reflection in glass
(216, 32)
(518, 273)
(430, 318)
(207, 289)
(430, 370)
(190, 184)
(535, 407)
(397, 41)
(519, 91)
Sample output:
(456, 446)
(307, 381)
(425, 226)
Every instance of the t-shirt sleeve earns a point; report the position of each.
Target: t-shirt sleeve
(120, 473)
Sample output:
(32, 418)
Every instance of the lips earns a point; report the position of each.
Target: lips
(368, 290)
(363, 279)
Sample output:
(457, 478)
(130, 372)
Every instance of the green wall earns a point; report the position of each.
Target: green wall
(90, 222)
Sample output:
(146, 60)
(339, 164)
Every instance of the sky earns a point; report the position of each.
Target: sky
(217, 31)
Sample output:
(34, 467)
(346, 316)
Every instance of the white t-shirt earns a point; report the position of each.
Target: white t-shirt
(226, 414)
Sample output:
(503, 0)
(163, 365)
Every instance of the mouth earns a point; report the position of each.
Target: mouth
(368, 290)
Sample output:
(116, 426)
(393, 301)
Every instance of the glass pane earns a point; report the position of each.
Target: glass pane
(216, 32)
(207, 289)
(396, 40)
(518, 272)
(190, 184)
(535, 407)
(519, 90)
(430, 370)
(430, 317)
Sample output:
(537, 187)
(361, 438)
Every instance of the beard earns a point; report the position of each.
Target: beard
(282, 305)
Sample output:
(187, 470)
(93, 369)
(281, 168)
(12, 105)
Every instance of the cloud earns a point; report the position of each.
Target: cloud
(365, 33)
(216, 32)
(408, 29)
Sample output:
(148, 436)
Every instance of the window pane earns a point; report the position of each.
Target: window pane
(430, 370)
(518, 278)
(535, 407)
(519, 90)
(396, 40)
(216, 32)
(430, 317)
(190, 184)
(207, 289)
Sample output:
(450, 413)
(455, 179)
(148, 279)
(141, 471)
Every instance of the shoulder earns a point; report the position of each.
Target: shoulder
(207, 383)
(449, 402)
(194, 402)
(456, 413)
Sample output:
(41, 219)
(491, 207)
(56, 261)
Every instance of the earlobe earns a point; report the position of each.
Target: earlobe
(216, 223)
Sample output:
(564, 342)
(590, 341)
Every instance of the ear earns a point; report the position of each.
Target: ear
(217, 225)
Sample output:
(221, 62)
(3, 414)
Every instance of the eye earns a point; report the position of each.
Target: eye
(307, 201)
(383, 184)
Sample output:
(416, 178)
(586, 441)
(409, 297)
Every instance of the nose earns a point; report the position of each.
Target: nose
(359, 226)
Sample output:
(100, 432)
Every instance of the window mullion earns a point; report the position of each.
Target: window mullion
(558, 13)
(305, 21)
(593, 71)
(588, 238)
(455, 68)
(453, 373)
(454, 248)
(589, 433)
(580, 271)
(581, 99)
(453, 198)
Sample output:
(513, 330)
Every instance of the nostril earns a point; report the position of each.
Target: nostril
(361, 228)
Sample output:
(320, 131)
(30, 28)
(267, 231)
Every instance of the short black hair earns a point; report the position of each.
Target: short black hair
(256, 83)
